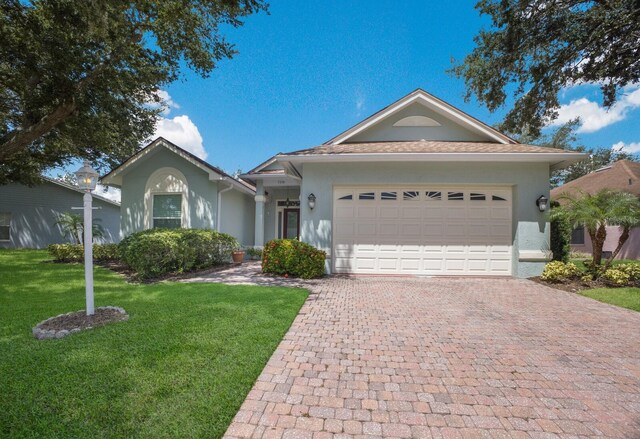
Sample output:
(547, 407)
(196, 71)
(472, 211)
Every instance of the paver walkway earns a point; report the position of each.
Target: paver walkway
(449, 358)
(249, 273)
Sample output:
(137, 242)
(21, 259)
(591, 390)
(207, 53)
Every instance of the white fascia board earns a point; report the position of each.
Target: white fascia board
(269, 176)
(448, 110)
(554, 159)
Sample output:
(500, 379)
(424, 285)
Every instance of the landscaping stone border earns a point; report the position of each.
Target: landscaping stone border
(44, 334)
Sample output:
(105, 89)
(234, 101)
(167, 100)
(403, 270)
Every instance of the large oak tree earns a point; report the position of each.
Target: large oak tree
(534, 48)
(78, 78)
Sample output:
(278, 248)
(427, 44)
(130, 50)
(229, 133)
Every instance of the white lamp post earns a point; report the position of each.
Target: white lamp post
(87, 179)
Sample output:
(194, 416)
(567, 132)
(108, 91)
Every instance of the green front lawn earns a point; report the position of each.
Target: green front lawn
(580, 262)
(625, 297)
(180, 367)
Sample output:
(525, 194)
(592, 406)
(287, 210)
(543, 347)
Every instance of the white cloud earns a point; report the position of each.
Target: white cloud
(183, 132)
(594, 117)
(631, 148)
(108, 192)
(167, 103)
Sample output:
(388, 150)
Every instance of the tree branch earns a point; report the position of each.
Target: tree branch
(19, 139)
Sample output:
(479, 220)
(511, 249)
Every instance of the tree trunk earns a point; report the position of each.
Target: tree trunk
(598, 240)
(626, 230)
(18, 140)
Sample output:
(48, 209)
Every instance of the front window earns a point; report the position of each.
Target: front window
(167, 211)
(5, 226)
(577, 236)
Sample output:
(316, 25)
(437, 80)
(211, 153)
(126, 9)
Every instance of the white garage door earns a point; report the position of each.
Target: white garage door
(422, 230)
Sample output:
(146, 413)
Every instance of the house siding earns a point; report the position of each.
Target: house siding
(238, 214)
(238, 208)
(202, 192)
(35, 210)
(630, 249)
(529, 181)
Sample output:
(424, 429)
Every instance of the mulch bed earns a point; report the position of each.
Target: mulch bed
(81, 320)
(573, 285)
(130, 275)
(65, 324)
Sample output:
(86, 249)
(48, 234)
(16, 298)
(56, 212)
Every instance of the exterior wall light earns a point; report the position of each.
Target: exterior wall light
(542, 202)
(312, 201)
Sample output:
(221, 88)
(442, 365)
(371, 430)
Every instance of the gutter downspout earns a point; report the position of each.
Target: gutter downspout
(219, 213)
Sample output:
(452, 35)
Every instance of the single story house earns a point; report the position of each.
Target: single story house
(28, 215)
(622, 175)
(162, 185)
(419, 188)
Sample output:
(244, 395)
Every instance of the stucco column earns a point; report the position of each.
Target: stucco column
(259, 222)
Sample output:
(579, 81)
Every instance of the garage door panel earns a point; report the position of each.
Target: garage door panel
(346, 212)
(433, 212)
(423, 231)
(410, 212)
(366, 229)
(368, 212)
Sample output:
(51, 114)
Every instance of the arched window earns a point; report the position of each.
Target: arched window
(166, 199)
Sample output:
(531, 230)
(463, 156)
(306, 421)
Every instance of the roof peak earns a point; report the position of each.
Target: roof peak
(432, 103)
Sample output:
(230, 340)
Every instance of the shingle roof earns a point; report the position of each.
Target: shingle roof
(622, 175)
(423, 146)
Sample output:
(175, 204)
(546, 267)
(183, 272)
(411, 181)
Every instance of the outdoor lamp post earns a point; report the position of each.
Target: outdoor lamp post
(87, 179)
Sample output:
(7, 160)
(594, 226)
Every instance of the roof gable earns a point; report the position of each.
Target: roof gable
(114, 177)
(77, 189)
(420, 116)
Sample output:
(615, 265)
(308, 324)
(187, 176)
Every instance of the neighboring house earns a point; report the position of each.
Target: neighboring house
(623, 175)
(28, 215)
(419, 188)
(163, 185)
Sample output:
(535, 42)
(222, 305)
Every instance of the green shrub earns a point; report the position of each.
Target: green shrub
(632, 270)
(291, 257)
(154, 252)
(75, 252)
(105, 252)
(586, 279)
(560, 239)
(557, 271)
(254, 252)
(615, 276)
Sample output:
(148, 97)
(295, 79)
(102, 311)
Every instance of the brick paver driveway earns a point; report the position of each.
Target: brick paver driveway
(449, 358)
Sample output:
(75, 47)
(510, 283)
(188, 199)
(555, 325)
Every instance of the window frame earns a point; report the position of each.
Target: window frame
(573, 232)
(153, 203)
(8, 226)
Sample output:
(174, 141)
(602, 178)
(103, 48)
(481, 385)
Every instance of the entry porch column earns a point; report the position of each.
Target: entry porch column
(259, 222)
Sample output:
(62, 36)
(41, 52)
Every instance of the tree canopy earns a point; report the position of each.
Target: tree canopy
(80, 78)
(535, 48)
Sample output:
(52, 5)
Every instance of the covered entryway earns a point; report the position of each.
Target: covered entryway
(422, 230)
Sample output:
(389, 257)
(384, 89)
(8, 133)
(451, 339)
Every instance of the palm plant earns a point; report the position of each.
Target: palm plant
(595, 212)
(72, 226)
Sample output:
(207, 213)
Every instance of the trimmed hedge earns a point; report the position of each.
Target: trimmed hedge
(560, 238)
(155, 252)
(75, 252)
(290, 257)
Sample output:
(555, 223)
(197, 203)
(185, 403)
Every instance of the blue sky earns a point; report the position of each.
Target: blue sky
(312, 69)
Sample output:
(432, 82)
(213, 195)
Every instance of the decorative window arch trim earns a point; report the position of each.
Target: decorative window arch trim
(417, 121)
(165, 181)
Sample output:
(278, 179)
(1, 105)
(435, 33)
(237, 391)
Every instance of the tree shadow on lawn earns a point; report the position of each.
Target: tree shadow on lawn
(181, 366)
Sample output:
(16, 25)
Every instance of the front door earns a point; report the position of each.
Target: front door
(291, 224)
